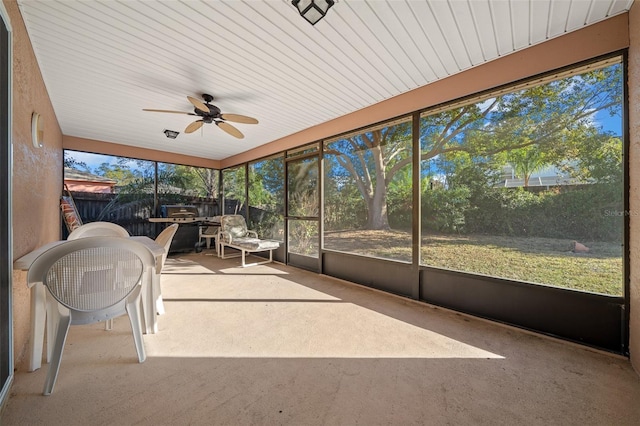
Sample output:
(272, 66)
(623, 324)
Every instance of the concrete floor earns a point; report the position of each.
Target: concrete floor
(272, 345)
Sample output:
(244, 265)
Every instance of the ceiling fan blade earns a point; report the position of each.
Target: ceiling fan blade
(194, 126)
(198, 104)
(237, 118)
(230, 129)
(164, 110)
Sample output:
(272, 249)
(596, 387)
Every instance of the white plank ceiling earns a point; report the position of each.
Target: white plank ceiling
(103, 61)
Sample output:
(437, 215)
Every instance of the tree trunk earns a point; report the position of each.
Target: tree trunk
(377, 215)
(377, 204)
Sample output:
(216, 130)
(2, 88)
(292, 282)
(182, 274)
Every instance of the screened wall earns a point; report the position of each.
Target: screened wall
(514, 209)
(137, 189)
(368, 192)
(265, 194)
(528, 185)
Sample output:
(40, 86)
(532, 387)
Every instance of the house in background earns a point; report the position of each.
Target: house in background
(544, 178)
(79, 181)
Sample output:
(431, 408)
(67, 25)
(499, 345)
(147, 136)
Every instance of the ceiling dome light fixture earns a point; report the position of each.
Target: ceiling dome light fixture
(171, 134)
(313, 10)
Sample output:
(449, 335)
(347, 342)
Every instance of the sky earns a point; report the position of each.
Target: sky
(95, 160)
(608, 123)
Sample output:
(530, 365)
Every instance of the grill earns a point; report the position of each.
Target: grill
(179, 212)
(186, 237)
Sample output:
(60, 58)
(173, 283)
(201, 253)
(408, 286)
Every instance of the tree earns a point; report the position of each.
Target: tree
(71, 162)
(526, 161)
(199, 180)
(547, 120)
(233, 186)
(266, 196)
(372, 159)
(121, 174)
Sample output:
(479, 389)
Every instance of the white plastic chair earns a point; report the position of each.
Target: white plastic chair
(98, 229)
(164, 239)
(91, 279)
(95, 229)
(208, 232)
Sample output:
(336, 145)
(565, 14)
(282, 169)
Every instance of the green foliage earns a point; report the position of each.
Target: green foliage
(372, 159)
(599, 159)
(344, 206)
(71, 162)
(303, 188)
(588, 213)
(233, 189)
(137, 183)
(400, 199)
(266, 198)
(526, 161)
(303, 237)
(266, 223)
(443, 210)
(503, 211)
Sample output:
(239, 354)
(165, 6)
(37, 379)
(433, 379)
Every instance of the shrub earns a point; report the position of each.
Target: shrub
(444, 210)
(590, 212)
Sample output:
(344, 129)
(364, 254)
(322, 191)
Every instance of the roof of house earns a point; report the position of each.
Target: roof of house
(79, 175)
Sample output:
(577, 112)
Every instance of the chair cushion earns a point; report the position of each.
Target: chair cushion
(255, 244)
(234, 225)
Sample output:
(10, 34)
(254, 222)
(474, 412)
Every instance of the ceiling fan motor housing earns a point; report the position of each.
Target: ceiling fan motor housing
(214, 111)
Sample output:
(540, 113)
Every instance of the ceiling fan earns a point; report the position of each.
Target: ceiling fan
(211, 114)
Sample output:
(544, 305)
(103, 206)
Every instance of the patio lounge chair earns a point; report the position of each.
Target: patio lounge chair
(234, 233)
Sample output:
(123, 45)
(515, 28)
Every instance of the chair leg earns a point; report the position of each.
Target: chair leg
(160, 305)
(148, 303)
(157, 294)
(53, 318)
(244, 264)
(38, 320)
(133, 310)
(61, 336)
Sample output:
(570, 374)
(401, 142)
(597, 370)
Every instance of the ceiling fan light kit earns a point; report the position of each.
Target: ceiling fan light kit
(209, 114)
(313, 10)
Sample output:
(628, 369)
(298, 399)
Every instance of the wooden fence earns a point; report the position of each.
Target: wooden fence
(133, 211)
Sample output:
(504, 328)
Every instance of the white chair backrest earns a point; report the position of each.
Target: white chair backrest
(98, 229)
(93, 273)
(234, 225)
(164, 239)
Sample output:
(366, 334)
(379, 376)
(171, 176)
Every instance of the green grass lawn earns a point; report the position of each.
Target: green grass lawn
(537, 260)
